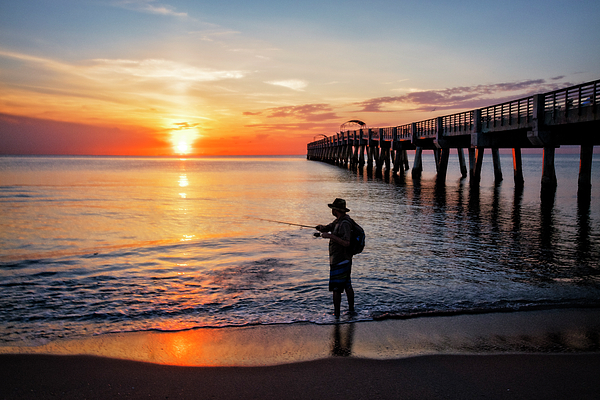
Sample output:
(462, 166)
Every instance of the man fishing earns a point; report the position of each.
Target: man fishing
(340, 257)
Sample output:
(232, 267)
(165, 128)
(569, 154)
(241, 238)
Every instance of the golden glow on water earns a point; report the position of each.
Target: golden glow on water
(183, 180)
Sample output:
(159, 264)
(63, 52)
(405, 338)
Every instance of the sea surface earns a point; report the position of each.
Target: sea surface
(95, 245)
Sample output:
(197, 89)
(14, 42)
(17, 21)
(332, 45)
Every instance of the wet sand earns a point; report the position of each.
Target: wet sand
(553, 354)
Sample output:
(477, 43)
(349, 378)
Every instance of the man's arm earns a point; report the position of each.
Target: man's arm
(336, 239)
(345, 231)
(324, 228)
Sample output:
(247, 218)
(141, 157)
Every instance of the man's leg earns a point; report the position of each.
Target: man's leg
(337, 301)
(350, 297)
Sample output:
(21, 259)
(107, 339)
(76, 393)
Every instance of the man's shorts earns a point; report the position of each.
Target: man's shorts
(339, 276)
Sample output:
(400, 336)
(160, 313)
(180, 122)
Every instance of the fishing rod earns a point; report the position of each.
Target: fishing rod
(283, 222)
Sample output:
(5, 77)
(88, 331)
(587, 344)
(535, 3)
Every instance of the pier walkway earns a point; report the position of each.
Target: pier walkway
(568, 116)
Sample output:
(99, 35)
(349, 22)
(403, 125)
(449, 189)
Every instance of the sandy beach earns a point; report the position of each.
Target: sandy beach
(425, 377)
(551, 354)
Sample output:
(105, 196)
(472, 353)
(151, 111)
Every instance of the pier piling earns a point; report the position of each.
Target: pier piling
(461, 162)
(497, 167)
(548, 172)
(417, 163)
(585, 170)
(518, 167)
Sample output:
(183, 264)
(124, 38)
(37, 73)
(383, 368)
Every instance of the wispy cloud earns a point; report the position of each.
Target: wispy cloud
(160, 69)
(210, 35)
(460, 97)
(294, 84)
(306, 112)
(150, 7)
(184, 125)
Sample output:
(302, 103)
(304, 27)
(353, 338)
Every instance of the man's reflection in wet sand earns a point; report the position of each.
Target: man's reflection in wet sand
(341, 343)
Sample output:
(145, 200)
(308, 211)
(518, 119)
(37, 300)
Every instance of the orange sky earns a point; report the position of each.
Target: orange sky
(152, 77)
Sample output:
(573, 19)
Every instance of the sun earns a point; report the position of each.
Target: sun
(183, 148)
(183, 137)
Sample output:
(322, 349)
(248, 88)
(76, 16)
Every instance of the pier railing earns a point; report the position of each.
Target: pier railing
(458, 124)
(573, 103)
(516, 114)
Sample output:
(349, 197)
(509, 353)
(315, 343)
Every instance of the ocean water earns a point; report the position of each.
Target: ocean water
(92, 245)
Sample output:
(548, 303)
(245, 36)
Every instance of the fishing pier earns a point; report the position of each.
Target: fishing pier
(563, 117)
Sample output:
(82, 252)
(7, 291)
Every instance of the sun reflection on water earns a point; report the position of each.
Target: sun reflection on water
(183, 180)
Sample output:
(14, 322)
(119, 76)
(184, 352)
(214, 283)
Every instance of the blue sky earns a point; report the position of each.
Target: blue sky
(208, 76)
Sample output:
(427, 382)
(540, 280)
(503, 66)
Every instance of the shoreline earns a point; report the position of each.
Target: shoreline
(575, 330)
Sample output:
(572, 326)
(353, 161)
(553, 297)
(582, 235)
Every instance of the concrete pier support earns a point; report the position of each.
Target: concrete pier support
(548, 172)
(399, 163)
(361, 156)
(376, 157)
(388, 158)
(471, 162)
(461, 162)
(475, 163)
(396, 160)
(370, 157)
(349, 153)
(443, 164)
(518, 167)
(418, 163)
(405, 155)
(585, 170)
(384, 157)
(355, 155)
(436, 156)
(497, 167)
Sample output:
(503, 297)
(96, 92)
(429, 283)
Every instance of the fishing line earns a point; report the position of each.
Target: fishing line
(283, 222)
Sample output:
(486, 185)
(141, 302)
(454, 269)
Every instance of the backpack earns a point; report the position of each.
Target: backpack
(357, 238)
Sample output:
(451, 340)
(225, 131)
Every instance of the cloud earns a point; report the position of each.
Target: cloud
(160, 69)
(157, 69)
(294, 84)
(184, 125)
(261, 136)
(461, 97)
(148, 6)
(210, 35)
(306, 112)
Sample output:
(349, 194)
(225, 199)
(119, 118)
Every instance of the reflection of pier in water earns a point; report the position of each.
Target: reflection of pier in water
(564, 117)
(505, 230)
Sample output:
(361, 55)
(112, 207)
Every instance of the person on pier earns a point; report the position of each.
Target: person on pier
(340, 257)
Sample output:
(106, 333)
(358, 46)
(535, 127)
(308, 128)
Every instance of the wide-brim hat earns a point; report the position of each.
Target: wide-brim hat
(339, 204)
